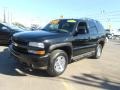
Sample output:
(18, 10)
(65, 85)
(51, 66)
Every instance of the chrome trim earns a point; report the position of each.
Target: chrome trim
(83, 55)
(76, 48)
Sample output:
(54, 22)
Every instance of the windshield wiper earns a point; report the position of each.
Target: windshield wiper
(43, 29)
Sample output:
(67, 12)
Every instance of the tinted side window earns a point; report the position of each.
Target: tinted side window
(82, 28)
(100, 27)
(92, 28)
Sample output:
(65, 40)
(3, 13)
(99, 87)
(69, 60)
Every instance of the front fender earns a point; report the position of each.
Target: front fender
(59, 45)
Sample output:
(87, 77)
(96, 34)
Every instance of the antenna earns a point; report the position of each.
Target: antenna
(4, 16)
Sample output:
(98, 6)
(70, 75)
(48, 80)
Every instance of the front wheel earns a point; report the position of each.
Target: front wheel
(58, 63)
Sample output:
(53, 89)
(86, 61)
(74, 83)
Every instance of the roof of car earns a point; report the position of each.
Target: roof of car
(81, 19)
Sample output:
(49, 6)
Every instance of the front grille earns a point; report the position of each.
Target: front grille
(20, 42)
(19, 45)
(19, 49)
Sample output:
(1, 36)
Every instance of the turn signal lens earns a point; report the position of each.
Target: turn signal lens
(40, 52)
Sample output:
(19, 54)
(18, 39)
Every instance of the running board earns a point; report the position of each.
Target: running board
(88, 54)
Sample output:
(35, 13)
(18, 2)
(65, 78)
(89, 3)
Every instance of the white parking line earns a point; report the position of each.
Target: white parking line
(67, 85)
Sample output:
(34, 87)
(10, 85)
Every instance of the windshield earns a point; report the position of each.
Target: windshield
(61, 25)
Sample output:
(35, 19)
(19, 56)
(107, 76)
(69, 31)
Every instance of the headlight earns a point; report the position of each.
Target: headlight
(36, 44)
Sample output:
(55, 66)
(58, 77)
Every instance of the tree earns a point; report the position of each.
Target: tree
(19, 25)
(35, 27)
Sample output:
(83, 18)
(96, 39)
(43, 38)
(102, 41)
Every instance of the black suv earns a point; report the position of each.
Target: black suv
(6, 31)
(59, 43)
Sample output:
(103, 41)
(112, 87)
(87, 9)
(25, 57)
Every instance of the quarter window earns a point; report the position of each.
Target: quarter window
(92, 28)
(100, 28)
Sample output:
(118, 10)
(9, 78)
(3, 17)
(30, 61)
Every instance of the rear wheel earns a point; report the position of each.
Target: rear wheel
(98, 51)
(58, 63)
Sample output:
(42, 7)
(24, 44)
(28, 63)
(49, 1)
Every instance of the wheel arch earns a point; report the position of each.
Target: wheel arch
(102, 43)
(66, 47)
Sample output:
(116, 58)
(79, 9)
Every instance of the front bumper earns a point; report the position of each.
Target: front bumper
(35, 60)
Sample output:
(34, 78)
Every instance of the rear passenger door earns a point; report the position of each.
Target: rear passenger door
(93, 32)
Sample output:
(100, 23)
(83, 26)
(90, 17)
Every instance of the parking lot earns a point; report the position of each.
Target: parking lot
(86, 74)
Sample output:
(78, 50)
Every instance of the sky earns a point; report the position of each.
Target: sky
(40, 12)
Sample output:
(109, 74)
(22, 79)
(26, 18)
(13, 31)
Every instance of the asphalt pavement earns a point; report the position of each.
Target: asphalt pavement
(86, 74)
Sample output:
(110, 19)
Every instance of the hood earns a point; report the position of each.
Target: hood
(17, 31)
(37, 35)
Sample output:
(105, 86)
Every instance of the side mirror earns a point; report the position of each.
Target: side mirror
(5, 28)
(75, 33)
(81, 31)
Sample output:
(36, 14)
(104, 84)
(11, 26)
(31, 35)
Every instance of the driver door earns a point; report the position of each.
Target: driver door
(4, 34)
(81, 40)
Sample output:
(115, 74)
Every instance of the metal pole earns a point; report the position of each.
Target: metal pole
(4, 16)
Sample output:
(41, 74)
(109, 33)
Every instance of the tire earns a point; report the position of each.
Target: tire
(106, 39)
(98, 52)
(58, 63)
